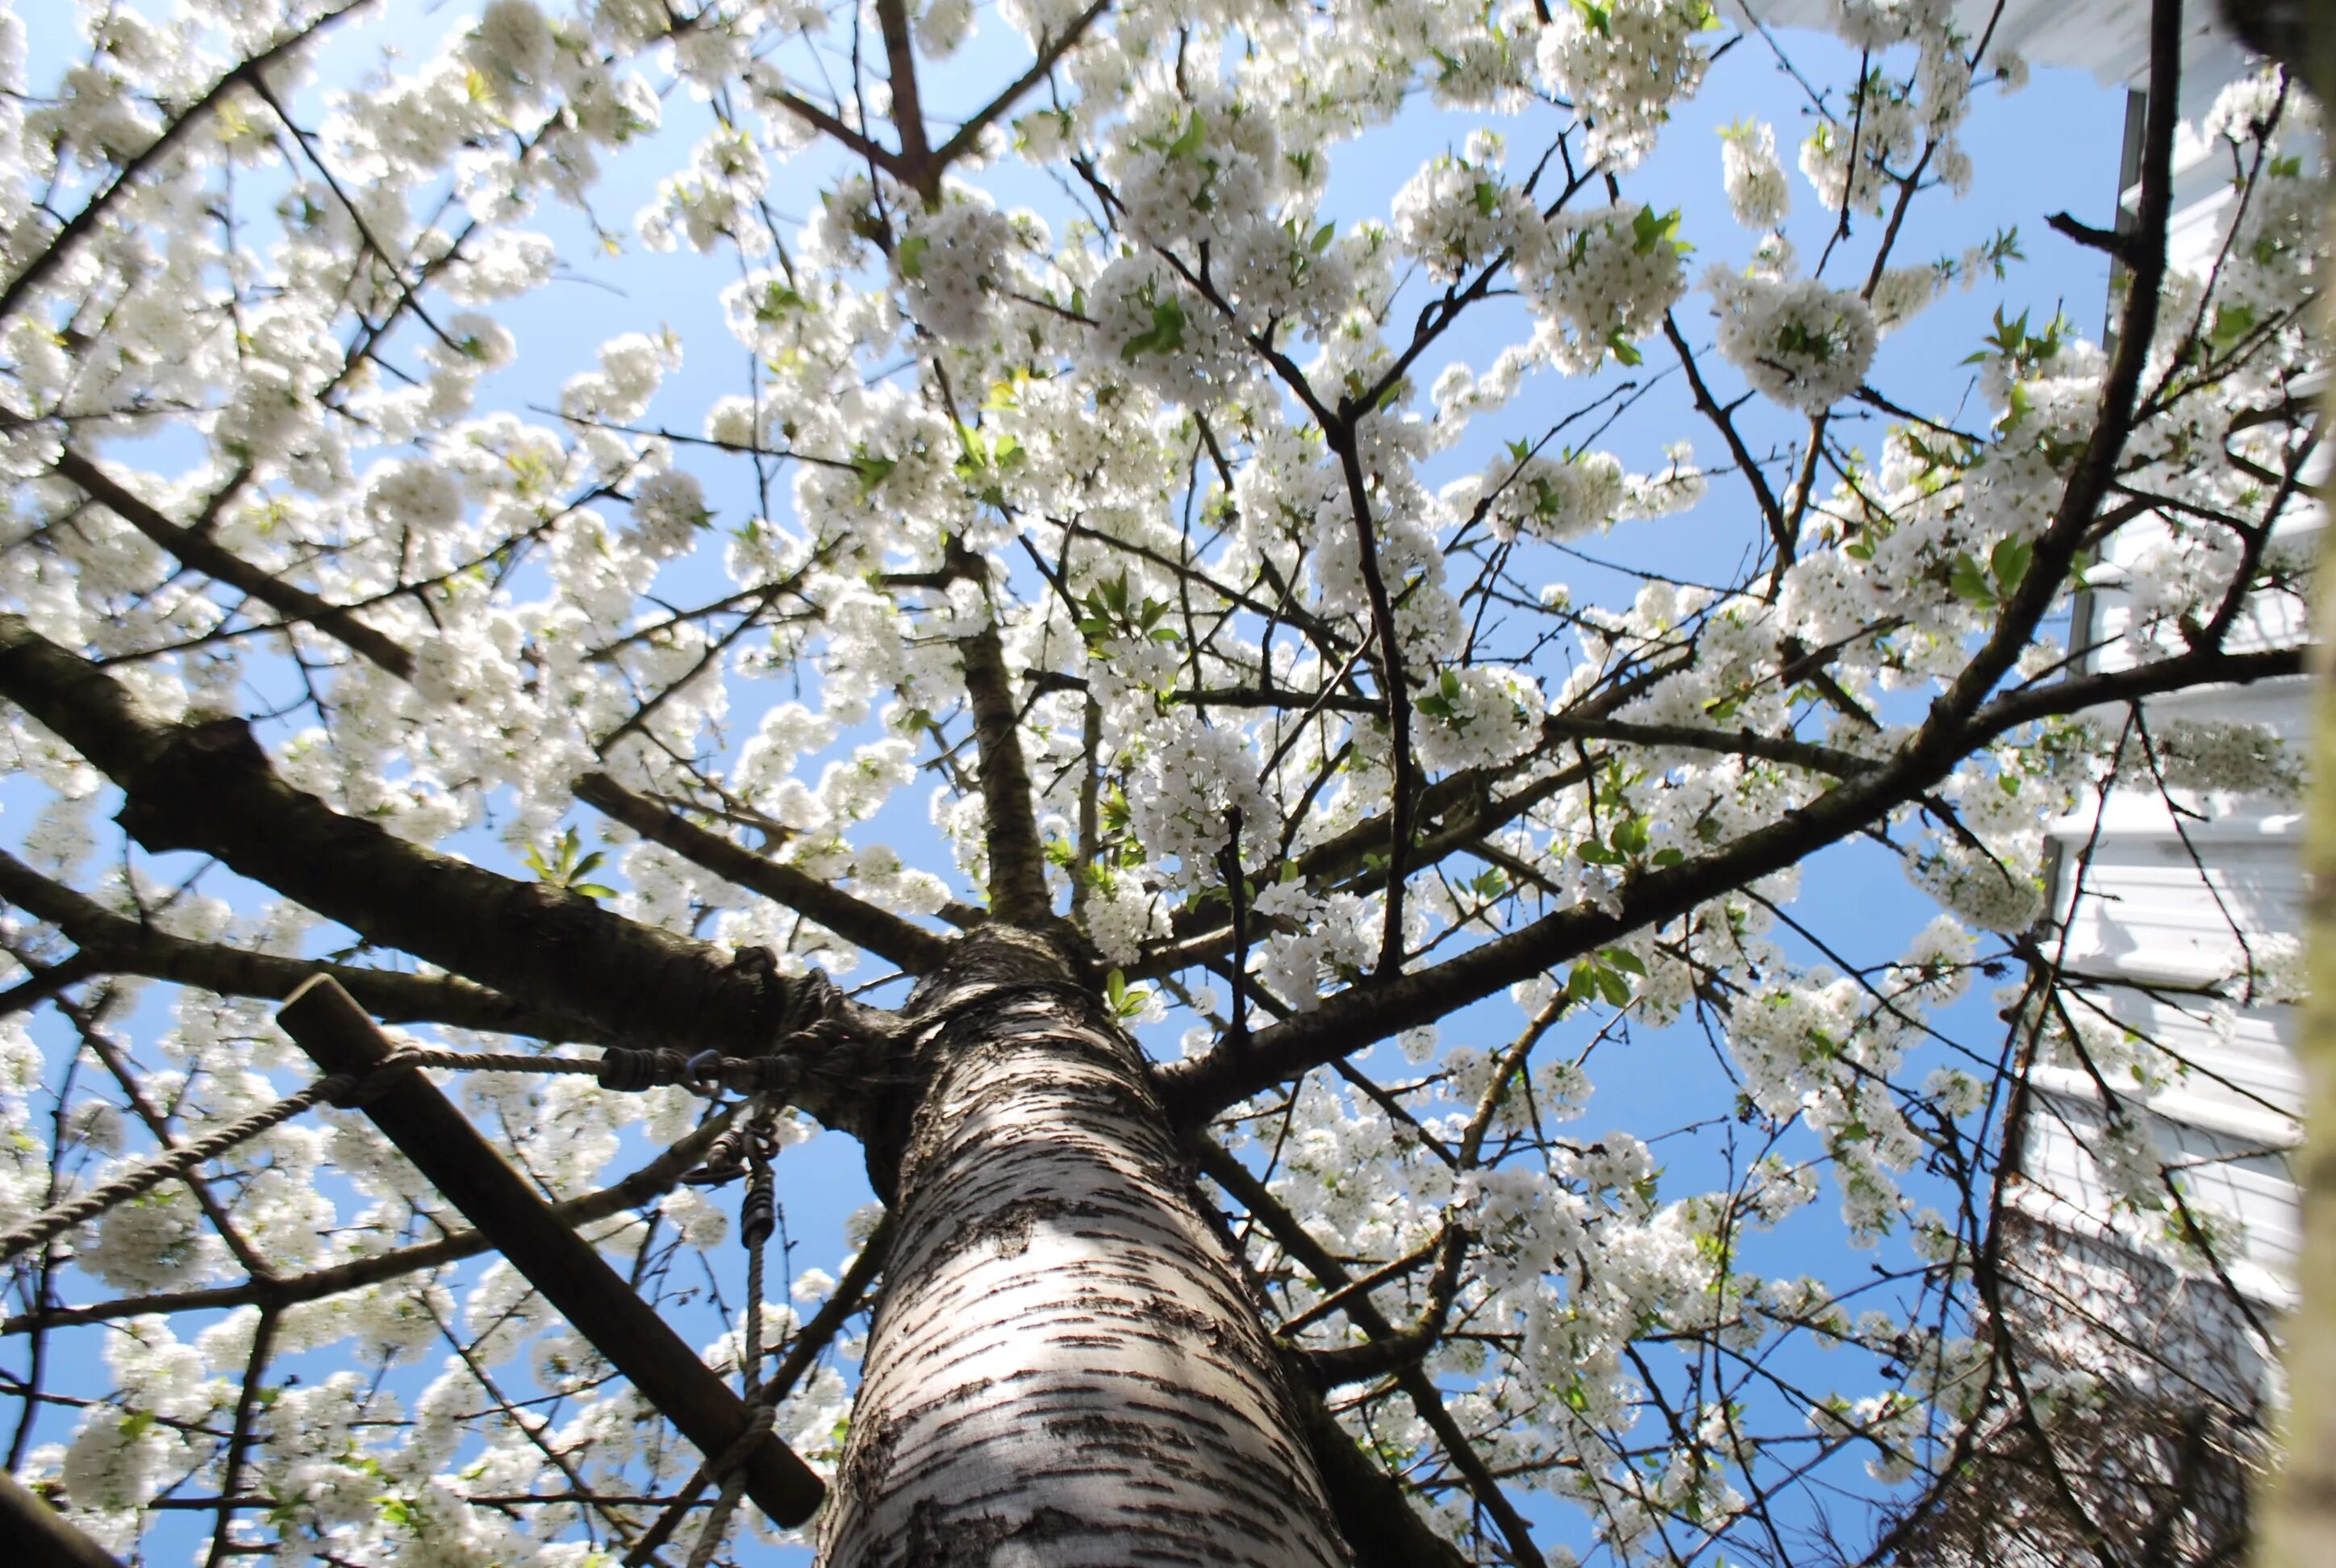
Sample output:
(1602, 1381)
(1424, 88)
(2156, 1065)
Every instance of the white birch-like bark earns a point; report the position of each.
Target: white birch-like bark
(1067, 1370)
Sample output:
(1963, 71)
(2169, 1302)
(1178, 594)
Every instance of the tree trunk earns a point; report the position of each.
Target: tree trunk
(1067, 1369)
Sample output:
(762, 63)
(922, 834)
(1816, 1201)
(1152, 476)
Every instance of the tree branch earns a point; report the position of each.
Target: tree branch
(215, 561)
(116, 944)
(1199, 1086)
(890, 937)
(210, 787)
(954, 148)
(1018, 863)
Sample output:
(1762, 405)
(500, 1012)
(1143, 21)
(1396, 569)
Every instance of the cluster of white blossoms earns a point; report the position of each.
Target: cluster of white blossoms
(1623, 63)
(25, 1188)
(1188, 775)
(668, 511)
(631, 369)
(1757, 192)
(1480, 717)
(951, 259)
(1597, 280)
(1797, 341)
(714, 201)
(1456, 214)
(1165, 337)
(2221, 756)
(1541, 498)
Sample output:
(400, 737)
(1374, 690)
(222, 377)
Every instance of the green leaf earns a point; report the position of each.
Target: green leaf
(1166, 335)
(1630, 835)
(2231, 322)
(1624, 958)
(1488, 197)
(777, 300)
(1614, 986)
(1322, 238)
(1188, 144)
(912, 254)
(1651, 230)
(2008, 562)
(1969, 582)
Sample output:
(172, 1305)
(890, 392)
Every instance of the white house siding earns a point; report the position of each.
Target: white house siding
(2162, 897)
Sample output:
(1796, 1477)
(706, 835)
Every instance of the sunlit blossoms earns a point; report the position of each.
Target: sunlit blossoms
(1623, 62)
(1598, 280)
(1757, 189)
(1802, 344)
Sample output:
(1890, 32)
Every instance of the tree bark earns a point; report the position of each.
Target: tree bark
(1067, 1369)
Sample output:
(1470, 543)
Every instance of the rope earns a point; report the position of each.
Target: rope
(617, 1069)
(756, 1218)
(717, 1518)
(45, 1227)
(499, 1062)
(634, 1070)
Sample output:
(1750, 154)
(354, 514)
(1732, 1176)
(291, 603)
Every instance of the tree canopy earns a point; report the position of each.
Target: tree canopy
(1399, 641)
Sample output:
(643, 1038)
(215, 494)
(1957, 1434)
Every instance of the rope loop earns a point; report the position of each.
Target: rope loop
(632, 1071)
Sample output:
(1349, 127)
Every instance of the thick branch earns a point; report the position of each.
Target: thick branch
(292, 602)
(880, 931)
(1017, 862)
(1800, 753)
(908, 104)
(1199, 1087)
(210, 787)
(1402, 785)
(116, 944)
